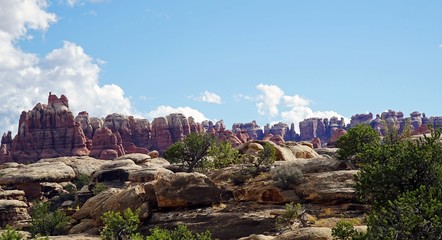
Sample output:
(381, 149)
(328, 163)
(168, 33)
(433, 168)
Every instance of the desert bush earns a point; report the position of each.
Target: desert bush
(345, 231)
(239, 178)
(120, 227)
(47, 223)
(98, 188)
(402, 182)
(191, 151)
(357, 140)
(413, 215)
(224, 154)
(292, 213)
(81, 180)
(181, 232)
(286, 175)
(264, 157)
(11, 234)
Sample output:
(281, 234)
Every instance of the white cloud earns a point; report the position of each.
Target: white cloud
(269, 99)
(163, 111)
(67, 70)
(440, 45)
(290, 109)
(208, 97)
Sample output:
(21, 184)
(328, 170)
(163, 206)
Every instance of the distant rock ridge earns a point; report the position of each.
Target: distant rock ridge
(50, 130)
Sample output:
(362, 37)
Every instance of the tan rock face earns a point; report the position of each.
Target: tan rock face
(13, 208)
(328, 187)
(82, 165)
(117, 200)
(117, 170)
(265, 192)
(184, 190)
(48, 131)
(311, 233)
(13, 212)
(37, 172)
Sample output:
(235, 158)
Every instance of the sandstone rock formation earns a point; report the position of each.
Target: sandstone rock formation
(186, 189)
(364, 118)
(319, 128)
(5, 148)
(170, 129)
(48, 131)
(253, 131)
(134, 132)
(116, 200)
(282, 130)
(328, 187)
(106, 144)
(13, 208)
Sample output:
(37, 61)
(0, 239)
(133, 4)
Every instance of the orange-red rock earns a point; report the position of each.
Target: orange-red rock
(48, 131)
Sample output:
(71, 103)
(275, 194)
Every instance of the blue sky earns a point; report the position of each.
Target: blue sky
(234, 60)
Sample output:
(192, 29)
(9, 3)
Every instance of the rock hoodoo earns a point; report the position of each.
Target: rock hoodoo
(48, 131)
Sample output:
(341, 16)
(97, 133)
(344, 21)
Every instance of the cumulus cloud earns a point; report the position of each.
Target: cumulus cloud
(269, 99)
(163, 111)
(208, 97)
(274, 103)
(27, 79)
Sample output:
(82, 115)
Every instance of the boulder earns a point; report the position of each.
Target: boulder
(117, 200)
(137, 158)
(264, 192)
(83, 165)
(185, 190)
(37, 172)
(148, 174)
(13, 212)
(328, 187)
(154, 154)
(117, 170)
(309, 233)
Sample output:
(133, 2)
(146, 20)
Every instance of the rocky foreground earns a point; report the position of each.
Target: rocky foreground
(213, 201)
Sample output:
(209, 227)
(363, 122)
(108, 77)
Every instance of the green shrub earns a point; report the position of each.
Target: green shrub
(81, 180)
(345, 231)
(293, 212)
(286, 175)
(356, 141)
(224, 154)
(413, 215)
(11, 234)
(47, 223)
(264, 157)
(181, 232)
(191, 151)
(120, 227)
(98, 188)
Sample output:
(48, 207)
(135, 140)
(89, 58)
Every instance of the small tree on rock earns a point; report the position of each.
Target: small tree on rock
(191, 151)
